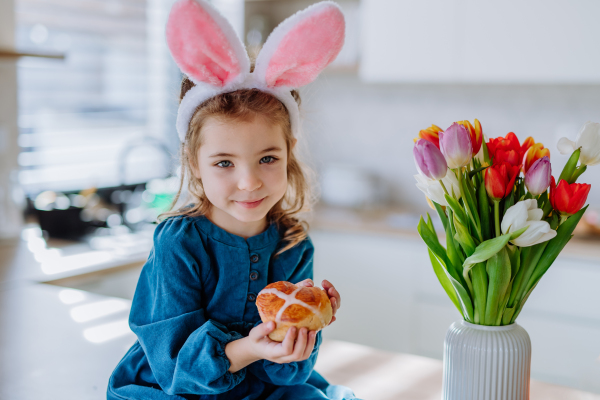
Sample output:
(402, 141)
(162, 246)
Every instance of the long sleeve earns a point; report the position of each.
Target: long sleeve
(186, 352)
(294, 373)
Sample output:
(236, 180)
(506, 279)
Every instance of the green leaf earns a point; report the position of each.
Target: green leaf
(479, 281)
(441, 213)
(542, 200)
(463, 237)
(528, 264)
(484, 213)
(445, 281)
(578, 171)
(431, 240)
(463, 298)
(486, 154)
(569, 168)
(475, 171)
(555, 246)
(457, 209)
(521, 304)
(507, 315)
(498, 270)
(514, 253)
(431, 227)
(453, 254)
(509, 201)
(486, 250)
(471, 206)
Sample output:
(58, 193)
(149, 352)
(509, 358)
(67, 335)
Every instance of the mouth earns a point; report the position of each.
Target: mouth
(250, 204)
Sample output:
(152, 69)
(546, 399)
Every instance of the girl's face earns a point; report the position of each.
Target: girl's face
(243, 169)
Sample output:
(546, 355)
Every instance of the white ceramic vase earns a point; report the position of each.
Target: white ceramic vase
(486, 362)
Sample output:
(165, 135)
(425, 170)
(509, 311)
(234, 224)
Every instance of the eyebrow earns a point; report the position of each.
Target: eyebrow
(270, 149)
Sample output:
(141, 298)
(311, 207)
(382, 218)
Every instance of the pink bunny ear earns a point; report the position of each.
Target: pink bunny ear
(204, 45)
(302, 46)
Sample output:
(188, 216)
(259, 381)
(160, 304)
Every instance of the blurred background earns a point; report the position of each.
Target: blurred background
(89, 158)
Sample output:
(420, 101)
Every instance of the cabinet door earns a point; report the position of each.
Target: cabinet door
(513, 41)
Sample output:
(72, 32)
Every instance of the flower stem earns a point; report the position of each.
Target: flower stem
(444, 187)
(497, 217)
(563, 218)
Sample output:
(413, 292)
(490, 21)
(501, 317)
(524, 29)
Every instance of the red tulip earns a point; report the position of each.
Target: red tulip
(500, 179)
(476, 134)
(534, 153)
(431, 134)
(568, 198)
(505, 149)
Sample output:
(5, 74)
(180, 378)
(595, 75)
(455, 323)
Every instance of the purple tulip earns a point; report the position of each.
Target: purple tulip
(455, 143)
(430, 161)
(538, 176)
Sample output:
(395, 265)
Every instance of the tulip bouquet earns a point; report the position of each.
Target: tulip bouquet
(504, 228)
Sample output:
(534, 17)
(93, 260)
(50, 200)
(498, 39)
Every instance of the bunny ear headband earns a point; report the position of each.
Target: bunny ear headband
(207, 49)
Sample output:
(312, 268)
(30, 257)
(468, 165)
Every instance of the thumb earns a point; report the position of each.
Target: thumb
(306, 283)
(263, 329)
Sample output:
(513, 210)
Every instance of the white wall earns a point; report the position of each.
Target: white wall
(372, 126)
(10, 217)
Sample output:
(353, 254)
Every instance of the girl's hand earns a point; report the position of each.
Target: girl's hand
(296, 346)
(334, 295)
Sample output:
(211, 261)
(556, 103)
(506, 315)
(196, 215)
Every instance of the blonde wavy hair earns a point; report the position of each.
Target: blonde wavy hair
(243, 105)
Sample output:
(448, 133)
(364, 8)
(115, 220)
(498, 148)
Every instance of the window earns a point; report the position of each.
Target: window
(106, 114)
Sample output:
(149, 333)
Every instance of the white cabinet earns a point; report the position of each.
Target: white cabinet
(471, 41)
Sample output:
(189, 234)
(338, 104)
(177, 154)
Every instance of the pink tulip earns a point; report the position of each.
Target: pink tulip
(455, 143)
(537, 178)
(430, 161)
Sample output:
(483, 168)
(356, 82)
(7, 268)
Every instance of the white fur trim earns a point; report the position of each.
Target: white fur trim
(203, 91)
(272, 42)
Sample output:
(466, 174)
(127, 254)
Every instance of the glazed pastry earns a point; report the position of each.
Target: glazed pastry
(293, 305)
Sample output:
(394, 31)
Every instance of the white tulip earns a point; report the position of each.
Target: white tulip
(588, 139)
(434, 190)
(526, 213)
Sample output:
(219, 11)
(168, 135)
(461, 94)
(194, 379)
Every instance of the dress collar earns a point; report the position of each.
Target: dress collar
(264, 239)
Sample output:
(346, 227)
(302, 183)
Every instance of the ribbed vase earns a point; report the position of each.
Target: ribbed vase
(486, 362)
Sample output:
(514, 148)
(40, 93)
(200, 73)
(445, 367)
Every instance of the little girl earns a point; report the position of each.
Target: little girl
(194, 313)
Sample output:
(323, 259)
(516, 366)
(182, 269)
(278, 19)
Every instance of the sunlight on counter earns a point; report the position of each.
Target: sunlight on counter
(105, 332)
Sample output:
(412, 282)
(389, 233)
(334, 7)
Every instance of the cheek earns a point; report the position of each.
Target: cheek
(216, 184)
(278, 179)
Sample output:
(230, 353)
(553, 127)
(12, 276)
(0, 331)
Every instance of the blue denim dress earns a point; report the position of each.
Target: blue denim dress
(195, 294)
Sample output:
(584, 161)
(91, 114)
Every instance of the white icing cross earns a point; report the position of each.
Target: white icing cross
(289, 300)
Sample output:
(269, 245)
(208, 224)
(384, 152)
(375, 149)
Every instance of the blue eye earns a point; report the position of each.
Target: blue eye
(224, 164)
(268, 160)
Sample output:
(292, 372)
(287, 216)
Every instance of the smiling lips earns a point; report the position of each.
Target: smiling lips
(250, 204)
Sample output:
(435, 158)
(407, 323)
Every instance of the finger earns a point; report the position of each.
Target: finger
(287, 345)
(334, 293)
(306, 283)
(326, 284)
(300, 344)
(333, 304)
(312, 337)
(332, 319)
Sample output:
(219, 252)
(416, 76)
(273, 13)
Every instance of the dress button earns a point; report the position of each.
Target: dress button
(254, 258)
(253, 275)
(251, 297)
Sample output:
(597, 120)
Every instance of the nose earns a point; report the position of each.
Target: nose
(249, 181)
